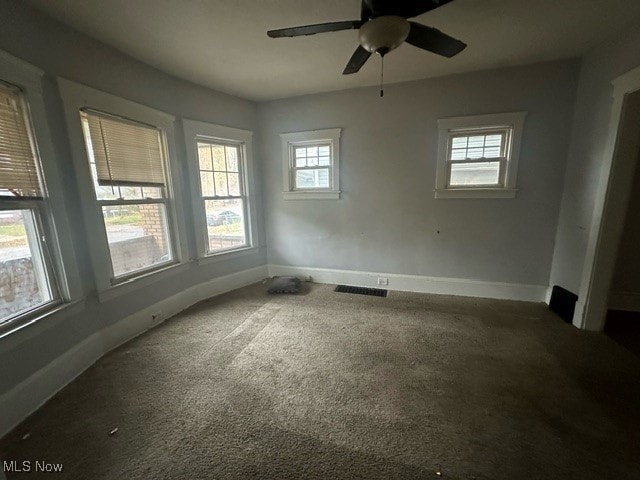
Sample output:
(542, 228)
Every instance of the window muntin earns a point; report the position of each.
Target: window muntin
(128, 168)
(222, 190)
(477, 157)
(26, 278)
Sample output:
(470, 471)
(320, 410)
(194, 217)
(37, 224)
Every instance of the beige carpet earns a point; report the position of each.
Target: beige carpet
(326, 385)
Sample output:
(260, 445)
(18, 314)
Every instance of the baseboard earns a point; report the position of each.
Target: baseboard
(419, 283)
(626, 301)
(30, 394)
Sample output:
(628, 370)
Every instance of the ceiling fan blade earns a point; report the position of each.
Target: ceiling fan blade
(406, 8)
(434, 40)
(357, 60)
(313, 29)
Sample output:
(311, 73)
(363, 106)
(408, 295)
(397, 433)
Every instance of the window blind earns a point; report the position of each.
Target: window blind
(125, 153)
(18, 166)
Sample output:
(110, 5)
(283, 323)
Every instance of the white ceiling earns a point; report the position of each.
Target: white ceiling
(222, 44)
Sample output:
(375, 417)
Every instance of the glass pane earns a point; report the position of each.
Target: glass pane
(221, 184)
(232, 159)
(324, 151)
(481, 173)
(459, 142)
(312, 151)
(312, 161)
(138, 237)
(475, 153)
(492, 152)
(234, 184)
(131, 193)
(152, 192)
(324, 161)
(460, 154)
(316, 178)
(23, 279)
(206, 184)
(225, 224)
(301, 152)
(218, 158)
(493, 141)
(204, 156)
(301, 161)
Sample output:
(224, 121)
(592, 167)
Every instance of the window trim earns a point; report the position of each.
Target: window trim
(306, 138)
(448, 127)
(77, 97)
(52, 212)
(209, 132)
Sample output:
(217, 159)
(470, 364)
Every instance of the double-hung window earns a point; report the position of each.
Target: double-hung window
(129, 170)
(222, 190)
(478, 156)
(26, 274)
(311, 164)
(220, 160)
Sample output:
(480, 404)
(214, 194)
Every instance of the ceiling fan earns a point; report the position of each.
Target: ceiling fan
(383, 26)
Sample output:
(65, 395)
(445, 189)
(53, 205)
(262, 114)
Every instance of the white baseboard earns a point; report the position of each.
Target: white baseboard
(418, 283)
(627, 301)
(30, 394)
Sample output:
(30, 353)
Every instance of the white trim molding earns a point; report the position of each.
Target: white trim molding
(418, 283)
(614, 190)
(34, 391)
(311, 138)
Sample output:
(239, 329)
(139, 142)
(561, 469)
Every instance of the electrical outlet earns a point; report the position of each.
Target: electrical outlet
(383, 281)
(156, 315)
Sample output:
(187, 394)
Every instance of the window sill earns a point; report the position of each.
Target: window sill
(143, 280)
(476, 193)
(227, 255)
(311, 195)
(53, 310)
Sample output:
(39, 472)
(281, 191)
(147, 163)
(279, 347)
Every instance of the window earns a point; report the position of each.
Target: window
(311, 164)
(222, 191)
(26, 276)
(128, 167)
(220, 166)
(478, 156)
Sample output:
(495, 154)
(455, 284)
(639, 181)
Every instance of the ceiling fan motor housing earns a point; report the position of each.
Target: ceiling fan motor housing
(383, 34)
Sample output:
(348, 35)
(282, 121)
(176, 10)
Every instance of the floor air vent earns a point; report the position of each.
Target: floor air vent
(375, 292)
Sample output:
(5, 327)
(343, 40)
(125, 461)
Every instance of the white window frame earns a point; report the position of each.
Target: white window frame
(77, 97)
(310, 138)
(53, 222)
(195, 131)
(511, 123)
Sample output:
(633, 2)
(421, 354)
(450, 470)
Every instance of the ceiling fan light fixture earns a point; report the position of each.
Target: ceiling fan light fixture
(383, 34)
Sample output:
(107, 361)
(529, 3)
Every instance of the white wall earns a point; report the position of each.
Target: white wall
(589, 140)
(388, 220)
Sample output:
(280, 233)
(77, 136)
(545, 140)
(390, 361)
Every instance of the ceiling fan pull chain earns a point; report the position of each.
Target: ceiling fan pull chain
(382, 76)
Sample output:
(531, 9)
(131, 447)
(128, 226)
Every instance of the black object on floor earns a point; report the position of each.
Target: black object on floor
(284, 285)
(375, 292)
(563, 303)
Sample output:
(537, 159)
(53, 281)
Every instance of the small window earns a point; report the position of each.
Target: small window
(26, 277)
(311, 164)
(478, 156)
(128, 167)
(222, 189)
